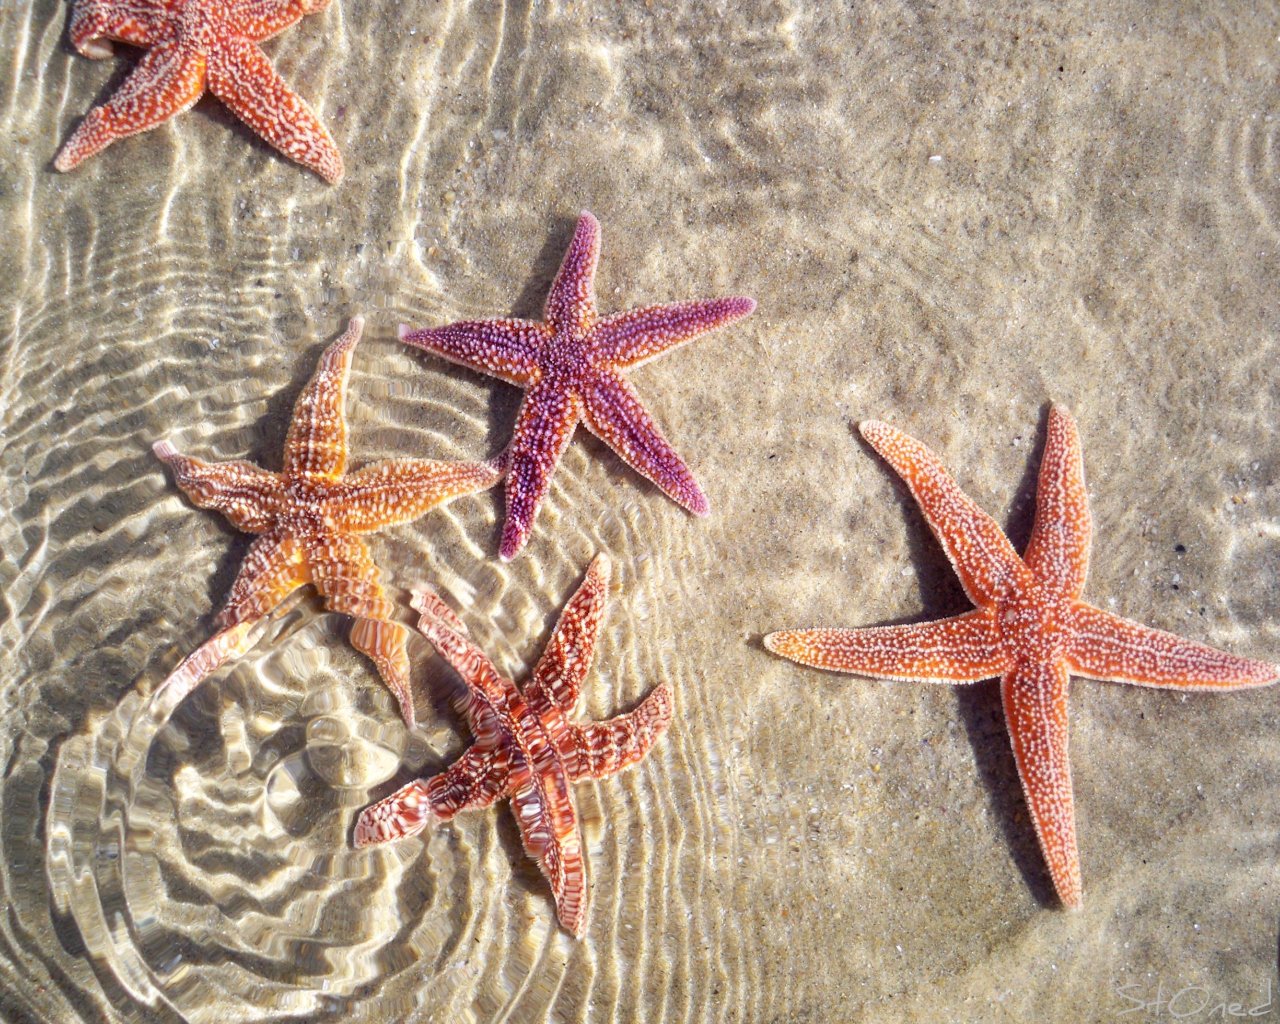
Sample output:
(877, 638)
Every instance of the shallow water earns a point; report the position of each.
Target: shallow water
(948, 217)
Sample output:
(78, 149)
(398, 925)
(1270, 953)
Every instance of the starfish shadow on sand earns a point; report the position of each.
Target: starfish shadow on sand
(980, 709)
(981, 713)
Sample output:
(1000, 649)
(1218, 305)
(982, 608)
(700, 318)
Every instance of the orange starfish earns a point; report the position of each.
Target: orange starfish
(526, 748)
(194, 45)
(308, 518)
(1030, 627)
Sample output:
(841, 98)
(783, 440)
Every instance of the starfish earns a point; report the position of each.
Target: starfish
(526, 749)
(1030, 627)
(570, 365)
(194, 45)
(308, 519)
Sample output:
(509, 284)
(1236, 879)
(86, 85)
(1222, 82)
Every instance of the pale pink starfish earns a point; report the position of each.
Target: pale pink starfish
(570, 365)
(1030, 627)
(526, 749)
(194, 45)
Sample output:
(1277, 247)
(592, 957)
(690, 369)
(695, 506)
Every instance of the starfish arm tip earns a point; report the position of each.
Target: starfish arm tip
(513, 541)
(399, 816)
(164, 451)
(499, 466)
(403, 332)
(95, 48)
(771, 641)
(602, 564)
(356, 323)
(744, 305)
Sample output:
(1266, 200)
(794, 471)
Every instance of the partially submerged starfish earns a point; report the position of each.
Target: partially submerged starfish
(526, 749)
(1030, 627)
(194, 45)
(570, 365)
(309, 517)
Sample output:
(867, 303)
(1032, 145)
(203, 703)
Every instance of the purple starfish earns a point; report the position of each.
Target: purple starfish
(570, 364)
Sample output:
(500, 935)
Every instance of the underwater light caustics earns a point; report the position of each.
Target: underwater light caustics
(1030, 627)
(309, 519)
(193, 46)
(571, 366)
(526, 748)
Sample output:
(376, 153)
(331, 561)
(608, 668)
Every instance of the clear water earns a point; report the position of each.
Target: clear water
(949, 216)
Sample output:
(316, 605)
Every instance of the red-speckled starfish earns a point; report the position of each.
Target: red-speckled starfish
(526, 749)
(1030, 627)
(194, 45)
(308, 518)
(570, 364)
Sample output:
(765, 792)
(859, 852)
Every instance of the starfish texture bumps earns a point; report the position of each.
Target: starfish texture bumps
(570, 365)
(1030, 627)
(526, 749)
(308, 519)
(194, 45)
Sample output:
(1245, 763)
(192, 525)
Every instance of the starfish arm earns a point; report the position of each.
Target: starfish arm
(94, 23)
(206, 659)
(1107, 647)
(1058, 552)
(475, 780)
(1035, 708)
(978, 549)
(261, 19)
(247, 495)
(613, 412)
(638, 335)
(506, 349)
(168, 80)
(549, 829)
(317, 439)
(605, 748)
(481, 677)
(431, 605)
(404, 813)
(241, 76)
(557, 678)
(544, 428)
(963, 649)
(401, 490)
(272, 570)
(571, 302)
(274, 567)
(344, 573)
